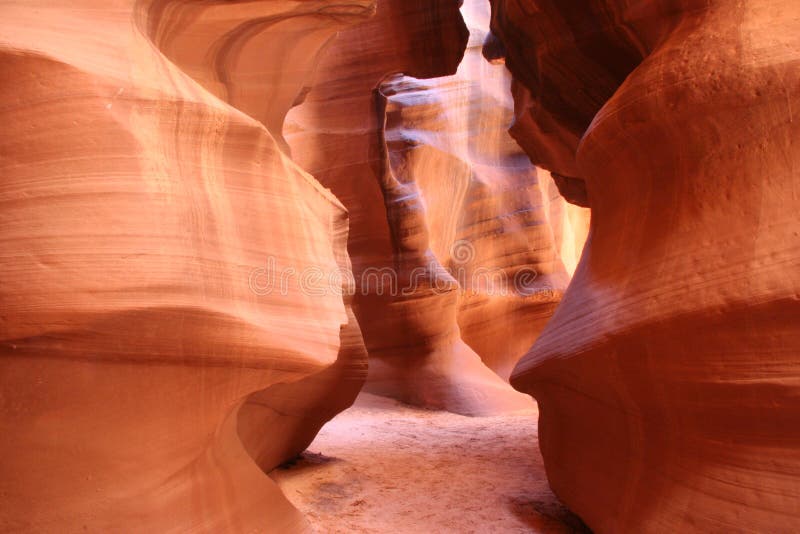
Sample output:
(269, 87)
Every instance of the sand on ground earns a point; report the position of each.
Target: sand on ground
(385, 467)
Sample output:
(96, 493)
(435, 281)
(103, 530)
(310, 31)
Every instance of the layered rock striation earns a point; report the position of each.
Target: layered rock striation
(456, 243)
(493, 220)
(149, 375)
(668, 377)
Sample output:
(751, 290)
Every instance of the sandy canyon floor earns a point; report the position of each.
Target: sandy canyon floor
(384, 467)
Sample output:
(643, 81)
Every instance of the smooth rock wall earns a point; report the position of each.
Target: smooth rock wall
(438, 193)
(668, 377)
(148, 378)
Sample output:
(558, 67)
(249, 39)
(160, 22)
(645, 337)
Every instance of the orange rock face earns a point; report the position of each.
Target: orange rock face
(215, 214)
(667, 378)
(488, 214)
(169, 329)
(148, 376)
(455, 257)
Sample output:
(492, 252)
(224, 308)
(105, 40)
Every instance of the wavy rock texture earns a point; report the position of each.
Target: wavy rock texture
(438, 193)
(148, 376)
(668, 377)
(489, 215)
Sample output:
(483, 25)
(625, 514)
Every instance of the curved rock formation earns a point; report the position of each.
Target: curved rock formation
(442, 203)
(149, 371)
(405, 300)
(668, 377)
(496, 222)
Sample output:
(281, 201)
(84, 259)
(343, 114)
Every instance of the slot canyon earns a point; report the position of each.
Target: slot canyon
(400, 266)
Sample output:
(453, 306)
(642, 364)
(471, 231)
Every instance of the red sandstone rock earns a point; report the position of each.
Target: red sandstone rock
(405, 299)
(150, 374)
(489, 218)
(427, 169)
(667, 378)
(143, 368)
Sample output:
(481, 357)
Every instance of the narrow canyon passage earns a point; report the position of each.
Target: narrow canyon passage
(383, 466)
(223, 222)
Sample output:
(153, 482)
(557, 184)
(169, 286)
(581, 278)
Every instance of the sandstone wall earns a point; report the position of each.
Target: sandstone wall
(667, 378)
(442, 202)
(147, 378)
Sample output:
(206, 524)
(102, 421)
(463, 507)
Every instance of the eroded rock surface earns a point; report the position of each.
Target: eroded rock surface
(489, 214)
(667, 378)
(148, 379)
(162, 344)
(456, 243)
